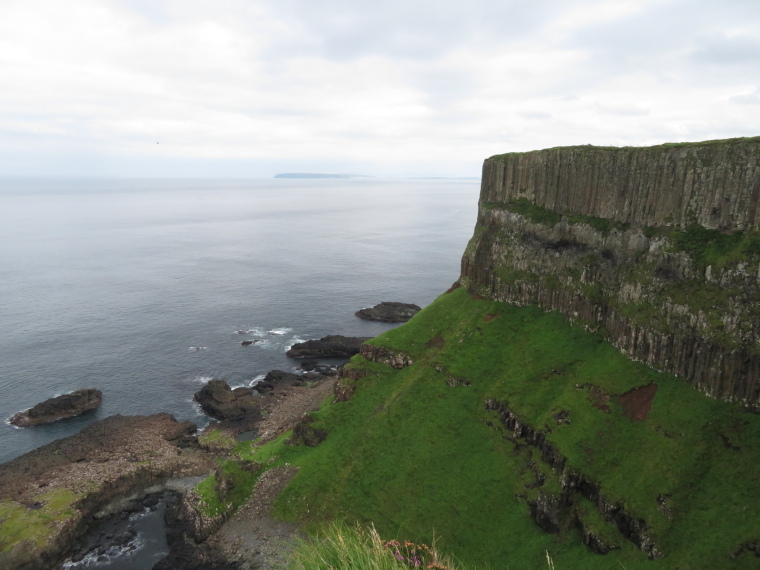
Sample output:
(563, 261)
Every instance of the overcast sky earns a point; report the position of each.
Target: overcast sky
(392, 88)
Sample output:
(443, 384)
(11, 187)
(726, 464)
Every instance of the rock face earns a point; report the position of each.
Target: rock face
(333, 346)
(54, 491)
(58, 408)
(389, 312)
(220, 401)
(656, 248)
(551, 512)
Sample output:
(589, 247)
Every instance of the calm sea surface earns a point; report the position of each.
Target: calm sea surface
(112, 283)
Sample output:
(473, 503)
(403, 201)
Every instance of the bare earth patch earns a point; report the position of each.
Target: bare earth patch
(489, 317)
(436, 342)
(252, 538)
(637, 403)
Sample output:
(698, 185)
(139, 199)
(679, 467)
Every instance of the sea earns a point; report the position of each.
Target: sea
(145, 289)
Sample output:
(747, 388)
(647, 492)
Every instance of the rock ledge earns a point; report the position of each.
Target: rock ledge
(58, 408)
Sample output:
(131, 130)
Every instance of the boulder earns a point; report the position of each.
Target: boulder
(275, 378)
(333, 346)
(220, 401)
(389, 312)
(54, 409)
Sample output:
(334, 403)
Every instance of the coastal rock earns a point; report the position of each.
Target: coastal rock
(68, 481)
(393, 358)
(304, 433)
(332, 346)
(220, 401)
(276, 378)
(389, 312)
(58, 408)
(617, 240)
(315, 366)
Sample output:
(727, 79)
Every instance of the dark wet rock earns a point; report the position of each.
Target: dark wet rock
(332, 346)
(109, 459)
(304, 433)
(115, 531)
(545, 511)
(58, 408)
(315, 366)
(186, 532)
(249, 342)
(389, 312)
(592, 540)
(275, 378)
(220, 401)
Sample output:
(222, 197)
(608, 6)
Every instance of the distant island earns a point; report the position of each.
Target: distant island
(317, 175)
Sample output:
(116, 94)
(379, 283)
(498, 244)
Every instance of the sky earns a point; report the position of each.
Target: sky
(252, 88)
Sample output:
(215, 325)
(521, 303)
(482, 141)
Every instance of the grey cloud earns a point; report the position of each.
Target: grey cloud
(747, 98)
(412, 29)
(722, 50)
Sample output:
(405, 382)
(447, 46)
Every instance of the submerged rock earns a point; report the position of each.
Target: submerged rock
(389, 312)
(332, 346)
(58, 408)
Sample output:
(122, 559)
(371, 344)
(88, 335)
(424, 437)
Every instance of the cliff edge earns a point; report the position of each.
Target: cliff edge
(657, 248)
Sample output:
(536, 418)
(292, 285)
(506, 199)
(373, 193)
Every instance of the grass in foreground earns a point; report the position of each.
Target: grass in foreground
(341, 546)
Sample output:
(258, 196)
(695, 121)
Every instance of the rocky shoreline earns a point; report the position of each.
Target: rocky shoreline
(57, 501)
(78, 483)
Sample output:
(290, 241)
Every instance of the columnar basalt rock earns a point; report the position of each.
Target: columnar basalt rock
(657, 248)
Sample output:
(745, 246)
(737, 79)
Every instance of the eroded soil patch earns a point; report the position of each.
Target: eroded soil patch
(637, 402)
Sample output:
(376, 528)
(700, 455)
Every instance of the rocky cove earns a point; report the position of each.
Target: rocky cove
(59, 501)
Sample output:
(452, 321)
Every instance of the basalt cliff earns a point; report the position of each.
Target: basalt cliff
(657, 248)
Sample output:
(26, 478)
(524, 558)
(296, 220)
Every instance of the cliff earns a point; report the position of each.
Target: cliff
(657, 248)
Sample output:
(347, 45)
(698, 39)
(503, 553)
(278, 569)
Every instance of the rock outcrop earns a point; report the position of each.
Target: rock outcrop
(389, 312)
(551, 512)
(50, 495)
(656, 248)
(58, 408)
(332, 346)
(221, 402)
(393, 358)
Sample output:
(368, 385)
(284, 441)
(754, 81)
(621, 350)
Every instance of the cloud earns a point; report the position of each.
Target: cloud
(393, 87)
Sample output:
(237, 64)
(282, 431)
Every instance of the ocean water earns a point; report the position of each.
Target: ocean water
(139, 287)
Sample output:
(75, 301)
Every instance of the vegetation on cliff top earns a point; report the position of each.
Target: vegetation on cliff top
(416, 453)
(656, 148)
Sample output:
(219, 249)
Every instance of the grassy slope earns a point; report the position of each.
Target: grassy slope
(415, 456)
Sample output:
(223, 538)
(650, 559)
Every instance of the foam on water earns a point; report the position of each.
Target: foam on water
(146, 285)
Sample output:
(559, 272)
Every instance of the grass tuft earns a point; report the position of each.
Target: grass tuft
(339, 545)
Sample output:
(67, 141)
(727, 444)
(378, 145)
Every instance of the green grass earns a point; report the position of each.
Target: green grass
(418, 459)
(338, 545)
(602, 225)
(19, 523)
(645, 149)
(713, 247)
(217, 438)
